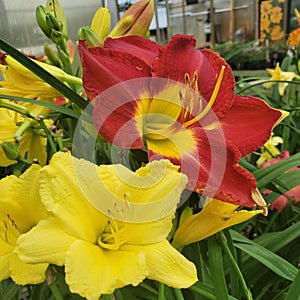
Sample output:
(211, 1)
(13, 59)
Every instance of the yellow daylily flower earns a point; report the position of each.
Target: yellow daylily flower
(269, 150)
(20, 210)
(31, 145)
(17, 84)
(277, 74)
(100, 251)
(215, 216)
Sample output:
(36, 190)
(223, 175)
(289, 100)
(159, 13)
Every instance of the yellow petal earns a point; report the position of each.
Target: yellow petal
(215, 216)
(23, 273)
(4, 266)
(149, 194)
(46, 242)
(21, 202)
(92, 271)
(168, 266)
(62, 195)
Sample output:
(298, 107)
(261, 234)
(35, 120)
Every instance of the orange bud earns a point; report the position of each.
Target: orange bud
(136, 20)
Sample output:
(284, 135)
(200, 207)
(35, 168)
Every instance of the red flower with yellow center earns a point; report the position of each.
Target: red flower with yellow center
(179, 101)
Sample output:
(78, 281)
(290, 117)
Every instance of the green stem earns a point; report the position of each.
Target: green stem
(223, 242)
(49, 137)
(161, 291)
(178, 294)
(55, 291)
(24, 160)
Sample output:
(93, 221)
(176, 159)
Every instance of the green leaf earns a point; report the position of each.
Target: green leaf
(266, 175)
(44, 75)
(271, 260)
(215, 260)
(293, 293)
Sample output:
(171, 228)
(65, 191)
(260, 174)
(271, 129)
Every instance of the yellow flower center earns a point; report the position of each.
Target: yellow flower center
(11, 231)
(191, 102)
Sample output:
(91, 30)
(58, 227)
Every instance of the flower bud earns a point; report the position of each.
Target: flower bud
(54, 8)
(136, 20)
(101, 22)
(51, 55)
(41, 14)
(56, 72)
(11, 150)
(90, 36)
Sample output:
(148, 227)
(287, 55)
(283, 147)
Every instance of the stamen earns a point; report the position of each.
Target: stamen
(187, 79)
(11, 231)
(195, 81)
(211, 100)
(104, 239)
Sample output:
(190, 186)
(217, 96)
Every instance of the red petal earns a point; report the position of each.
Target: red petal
(208, 74)
(114, 113)
(180, 57)
(103, 68)
(249, 123)
(138, 46)
(212, 168)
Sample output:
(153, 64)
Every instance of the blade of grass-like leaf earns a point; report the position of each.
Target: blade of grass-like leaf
(55, 107)
(271, 260)
(215, 260)
(203, 289)
(44, 75)
(277, 240)
(294, 291)
(266, 175)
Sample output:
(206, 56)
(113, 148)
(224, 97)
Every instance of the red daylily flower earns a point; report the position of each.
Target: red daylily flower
(180, 101)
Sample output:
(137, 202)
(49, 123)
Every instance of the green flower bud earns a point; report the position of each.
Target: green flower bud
(90, 36)
(11, 150)
(41, 14)
(54, 8)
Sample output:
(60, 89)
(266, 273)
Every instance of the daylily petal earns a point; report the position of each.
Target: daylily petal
(46, 242)
(148, 195)
(248, 113)
(4, 266)
(211, 166)
(58, 194)
(206, 63)
(215, 216)
(23, 274)
(125, 66)
(143, 48)
(168, 266)
(21, 201)
(104, 271)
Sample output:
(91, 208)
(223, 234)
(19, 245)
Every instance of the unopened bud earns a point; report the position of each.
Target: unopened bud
(101, 22)
(54, 8)
(52, 56)
(41, 14)
(136, 20)
(90, 36)
(11, 150)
